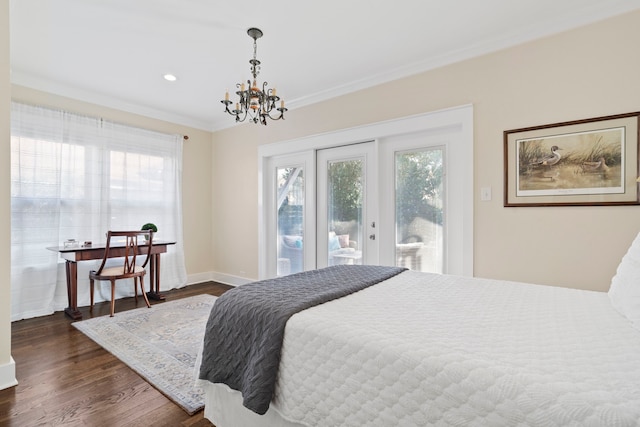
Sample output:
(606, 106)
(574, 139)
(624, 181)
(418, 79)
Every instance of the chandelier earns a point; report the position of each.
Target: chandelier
(254, 103)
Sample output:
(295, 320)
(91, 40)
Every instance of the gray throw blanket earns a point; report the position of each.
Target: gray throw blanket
(244, 333)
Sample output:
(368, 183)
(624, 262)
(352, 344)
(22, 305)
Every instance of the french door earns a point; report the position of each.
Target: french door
(403, 197)
(346, 205)
(354, 219)
(415, 215)
(290, 234)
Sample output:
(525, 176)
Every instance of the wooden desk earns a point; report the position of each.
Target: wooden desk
(96, 251)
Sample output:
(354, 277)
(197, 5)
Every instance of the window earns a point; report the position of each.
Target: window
(290, 204)
(420, 209)
(75, 177)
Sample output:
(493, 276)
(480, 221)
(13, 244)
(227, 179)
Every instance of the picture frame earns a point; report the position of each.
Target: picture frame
(591, 162)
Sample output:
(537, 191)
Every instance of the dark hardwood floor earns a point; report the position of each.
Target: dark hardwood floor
(65, 378)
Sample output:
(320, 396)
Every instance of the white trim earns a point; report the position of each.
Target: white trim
(229, 279)
(192, 279)
(214, 276)
(454, 116)
(22, 78)
(8, 374)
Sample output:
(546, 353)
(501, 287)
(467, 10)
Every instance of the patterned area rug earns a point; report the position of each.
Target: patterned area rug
(160, 343)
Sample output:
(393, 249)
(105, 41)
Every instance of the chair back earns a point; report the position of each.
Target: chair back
(135, 243)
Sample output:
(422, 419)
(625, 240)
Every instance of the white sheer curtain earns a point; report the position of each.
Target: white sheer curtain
(75, 177)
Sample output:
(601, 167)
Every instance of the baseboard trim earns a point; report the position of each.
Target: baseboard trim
(213, 276)
(8, 374)
(192, 279)
(228, 279)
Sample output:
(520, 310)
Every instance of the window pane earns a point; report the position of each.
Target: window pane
(44, 190)
(290, 220)
(344, 201)
(137, 184)
(419, 210)
(36, 166)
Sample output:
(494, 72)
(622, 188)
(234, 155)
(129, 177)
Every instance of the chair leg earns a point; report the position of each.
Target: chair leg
(113, 296)
(91, 293)
(143, 292)
(135, 290)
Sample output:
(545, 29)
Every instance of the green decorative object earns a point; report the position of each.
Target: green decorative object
(150, 226)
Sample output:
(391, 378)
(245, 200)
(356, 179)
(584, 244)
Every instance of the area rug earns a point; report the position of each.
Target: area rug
(160, 343)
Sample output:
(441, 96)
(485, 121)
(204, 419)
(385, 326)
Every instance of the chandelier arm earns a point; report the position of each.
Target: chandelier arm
(281, 116)
(244, 117)
(226, 103)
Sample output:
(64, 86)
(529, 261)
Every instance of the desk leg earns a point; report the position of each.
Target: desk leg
(72, 291)
(154, 280)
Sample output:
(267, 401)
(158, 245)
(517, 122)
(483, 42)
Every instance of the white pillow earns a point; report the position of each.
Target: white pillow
(624, 292)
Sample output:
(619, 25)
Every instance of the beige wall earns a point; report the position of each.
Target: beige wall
(584, 73)
(6, 369)
(196, 179)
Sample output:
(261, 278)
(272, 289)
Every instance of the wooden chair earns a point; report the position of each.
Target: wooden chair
(129, 268)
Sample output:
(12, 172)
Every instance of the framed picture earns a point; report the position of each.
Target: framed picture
(583, 162)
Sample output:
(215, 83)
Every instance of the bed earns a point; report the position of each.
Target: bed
(419, 349)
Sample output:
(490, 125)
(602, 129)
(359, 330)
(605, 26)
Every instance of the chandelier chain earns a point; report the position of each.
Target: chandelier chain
(255, 67)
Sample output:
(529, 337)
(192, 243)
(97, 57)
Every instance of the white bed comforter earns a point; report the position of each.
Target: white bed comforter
(422, 349)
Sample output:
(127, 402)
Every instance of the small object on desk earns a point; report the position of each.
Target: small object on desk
(87, 243)
(70, 243)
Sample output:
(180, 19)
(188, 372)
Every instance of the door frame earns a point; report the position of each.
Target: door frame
(457, 121)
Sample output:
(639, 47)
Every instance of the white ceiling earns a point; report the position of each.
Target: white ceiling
(115, 52)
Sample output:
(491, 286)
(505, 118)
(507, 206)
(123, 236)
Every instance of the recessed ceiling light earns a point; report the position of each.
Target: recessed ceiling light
(170, 77)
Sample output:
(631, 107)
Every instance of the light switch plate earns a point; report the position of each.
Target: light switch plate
(485, 194)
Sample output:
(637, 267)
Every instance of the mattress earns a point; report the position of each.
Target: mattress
(424, 349)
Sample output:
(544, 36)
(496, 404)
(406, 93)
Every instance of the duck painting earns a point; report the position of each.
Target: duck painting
(542, 165)
(548, 160)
